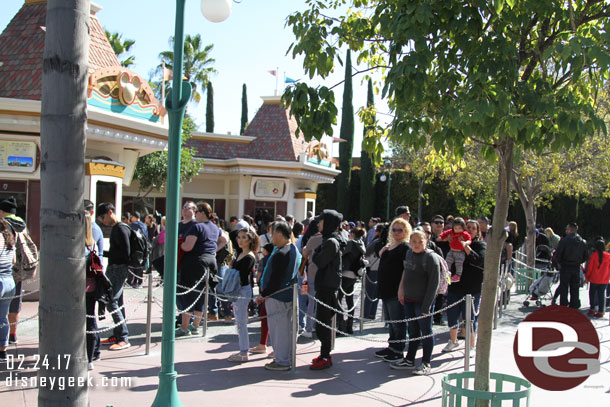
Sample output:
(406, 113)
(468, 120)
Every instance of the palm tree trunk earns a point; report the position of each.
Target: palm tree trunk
(62, 264)
(491, 270)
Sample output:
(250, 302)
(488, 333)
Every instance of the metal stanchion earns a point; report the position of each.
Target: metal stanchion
(362, 298)
(148, 312)
(333, 324)
(502, 291)
(468, 335)
(206, 297)
(295, 325)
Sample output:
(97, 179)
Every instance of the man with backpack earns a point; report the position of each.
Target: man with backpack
(117, 271)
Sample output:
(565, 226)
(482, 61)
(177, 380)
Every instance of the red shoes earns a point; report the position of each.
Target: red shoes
(321, 363)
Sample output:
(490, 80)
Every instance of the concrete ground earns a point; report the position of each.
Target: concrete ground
(130, 378)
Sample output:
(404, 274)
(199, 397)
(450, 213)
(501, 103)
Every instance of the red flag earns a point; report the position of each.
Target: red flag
(274, 72)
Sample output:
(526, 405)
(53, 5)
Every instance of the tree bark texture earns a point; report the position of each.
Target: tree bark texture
(492, 268)
(62, 263)
(346, 148)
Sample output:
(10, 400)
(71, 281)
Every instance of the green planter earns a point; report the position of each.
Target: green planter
(518, 393)
(524, 279)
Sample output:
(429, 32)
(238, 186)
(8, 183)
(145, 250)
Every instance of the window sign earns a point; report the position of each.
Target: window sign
(17, 156)
(268, 188)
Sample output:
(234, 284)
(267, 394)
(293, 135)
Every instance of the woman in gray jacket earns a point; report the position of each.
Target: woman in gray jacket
(351, 257)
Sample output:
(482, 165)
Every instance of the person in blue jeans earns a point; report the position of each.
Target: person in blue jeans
(417, 292)
(7, 284)
(245, 262)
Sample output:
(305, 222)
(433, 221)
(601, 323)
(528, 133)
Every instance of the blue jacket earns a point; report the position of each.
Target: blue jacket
(281, 272)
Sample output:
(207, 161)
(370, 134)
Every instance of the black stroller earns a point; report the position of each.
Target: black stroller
(541, 288)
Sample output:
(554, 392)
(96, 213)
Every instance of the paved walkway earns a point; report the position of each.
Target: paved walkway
(356, 379)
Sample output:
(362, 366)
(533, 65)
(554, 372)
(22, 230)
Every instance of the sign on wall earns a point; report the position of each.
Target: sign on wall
(268, 188)
(17, 156)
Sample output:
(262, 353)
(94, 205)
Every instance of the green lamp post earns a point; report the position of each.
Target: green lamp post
(215, 11)
(383, 178)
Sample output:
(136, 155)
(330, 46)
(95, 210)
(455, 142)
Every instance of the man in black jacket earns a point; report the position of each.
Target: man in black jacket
(328, 278)
(571, 253)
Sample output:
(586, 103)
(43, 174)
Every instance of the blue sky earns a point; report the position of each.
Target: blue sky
(252, 41)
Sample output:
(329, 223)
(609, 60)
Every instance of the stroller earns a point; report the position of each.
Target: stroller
(541, 288)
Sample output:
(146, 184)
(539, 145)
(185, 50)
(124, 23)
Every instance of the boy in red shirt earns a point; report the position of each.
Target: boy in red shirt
(457, 238)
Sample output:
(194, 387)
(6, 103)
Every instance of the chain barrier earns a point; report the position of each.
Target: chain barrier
(21, 295)
(190, 289)
(534, 268)
(346, 294)
(20, 321)
(124, 305)
(111, 327)
(369, 280)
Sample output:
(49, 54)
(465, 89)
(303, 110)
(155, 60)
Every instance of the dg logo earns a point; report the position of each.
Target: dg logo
(557, 348)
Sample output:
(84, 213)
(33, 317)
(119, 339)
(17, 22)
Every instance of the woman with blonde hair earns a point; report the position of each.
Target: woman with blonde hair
(391, 259)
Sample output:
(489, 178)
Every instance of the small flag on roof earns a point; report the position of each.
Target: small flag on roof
(289, 80)
(274, 72)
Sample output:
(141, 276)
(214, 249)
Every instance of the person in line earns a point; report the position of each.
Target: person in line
(7, 284)
(262, 311)
(370, 235)
(553, 238)
(244, 263)
(437, 227)
(403, 212)
(136, 276)
(598, 275)
(571, 253)
(417, 290)
(328, 278)
(93, 339)
(117, 272)
(470, 283)
(224, 256)
(312, 239)
(371, 300)
(351, 257)
(279, 275)
(457, 237)
(391, 268)
(199, 260)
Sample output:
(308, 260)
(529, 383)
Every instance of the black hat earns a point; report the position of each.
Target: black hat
(9, 205)
(402, 209)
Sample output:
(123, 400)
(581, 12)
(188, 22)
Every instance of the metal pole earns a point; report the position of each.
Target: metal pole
(468, 333)
(502, 291)
(206, 297)
(167, 392)
(295, 325)
(148, 312)
(362, 299)
(333, 333)
(389, 184)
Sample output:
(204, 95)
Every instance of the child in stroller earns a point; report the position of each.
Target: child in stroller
(541, 287)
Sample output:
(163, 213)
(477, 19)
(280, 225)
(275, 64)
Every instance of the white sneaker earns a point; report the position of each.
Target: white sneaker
(307, 334)
(90, 366)
(451, 346)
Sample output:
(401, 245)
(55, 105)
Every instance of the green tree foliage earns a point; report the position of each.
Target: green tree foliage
(503, 74)
(367, 171)
(197, 63)
(151, 169)
(244, 110)
(209, 109)
(346, 148)
(121, 48)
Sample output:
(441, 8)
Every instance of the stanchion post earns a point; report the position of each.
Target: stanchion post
(468, 334)
(149, 312)
(295, 325)
(502, 291)
(206, 298)
(362, 298)
(333, 331)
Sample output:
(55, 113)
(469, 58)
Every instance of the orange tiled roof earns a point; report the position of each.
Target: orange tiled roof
(21, 49)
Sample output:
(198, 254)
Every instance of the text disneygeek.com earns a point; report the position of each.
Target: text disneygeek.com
(61, 383)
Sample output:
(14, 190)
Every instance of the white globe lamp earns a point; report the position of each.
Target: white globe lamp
(383, 178)
(216, 11)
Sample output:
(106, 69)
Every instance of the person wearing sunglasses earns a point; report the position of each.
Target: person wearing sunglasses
(392, 257)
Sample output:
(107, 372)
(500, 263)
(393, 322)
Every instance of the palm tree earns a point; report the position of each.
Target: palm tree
(197, 63)
(121, 47)
(62, 262)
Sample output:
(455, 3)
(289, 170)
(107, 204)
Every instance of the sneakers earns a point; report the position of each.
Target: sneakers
(258, 349)
(392, 357)
(307, 334)
(383, 353)
(90, 366)
(451, 346)
(591, 313)
(277, 368)
(183, 332)
(455, 278)
(238, 358)
(599, 315)
(403, 364)
(271, 355)
(12, 339)
(423, 369)
(109, 341)
(3, 356)
(212, 317)
(321, 363)
(120, 345)
(194, 329)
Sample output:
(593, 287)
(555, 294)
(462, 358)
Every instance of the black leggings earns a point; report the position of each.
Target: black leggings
(325, 315)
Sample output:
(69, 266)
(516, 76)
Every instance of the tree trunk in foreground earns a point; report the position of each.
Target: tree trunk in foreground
(492, 268)
(62, 264)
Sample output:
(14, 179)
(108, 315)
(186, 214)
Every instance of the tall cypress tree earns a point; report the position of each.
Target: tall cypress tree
(209, 109)
(367, 173)
(346, 148)
(244, 110)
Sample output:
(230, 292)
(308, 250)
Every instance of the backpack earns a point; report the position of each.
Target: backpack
(230, 284)
(26, 263)
(139, 249)
(445, 274)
